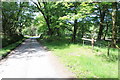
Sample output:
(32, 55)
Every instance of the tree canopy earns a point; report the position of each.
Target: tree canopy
(75, 20)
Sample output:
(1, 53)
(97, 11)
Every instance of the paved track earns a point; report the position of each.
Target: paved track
(31, 60)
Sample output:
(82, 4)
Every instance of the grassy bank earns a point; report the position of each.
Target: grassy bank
(83, 61)
(7, 49)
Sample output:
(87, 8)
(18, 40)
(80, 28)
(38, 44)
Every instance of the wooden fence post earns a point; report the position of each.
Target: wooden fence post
(83, 42)
(92, 43)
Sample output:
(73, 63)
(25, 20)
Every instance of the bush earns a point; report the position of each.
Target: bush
(9, 39)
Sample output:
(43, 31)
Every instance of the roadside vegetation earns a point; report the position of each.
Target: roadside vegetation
(84, 61)
(14, 19)
(62, 27)
(4, 51)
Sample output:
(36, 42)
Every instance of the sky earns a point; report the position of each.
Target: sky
(36, 14)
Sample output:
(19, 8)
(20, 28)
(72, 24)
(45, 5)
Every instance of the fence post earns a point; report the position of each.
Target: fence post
(92, 43)
(83, 42)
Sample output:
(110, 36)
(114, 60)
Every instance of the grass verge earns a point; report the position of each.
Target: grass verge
(4, 51)
(83, 61)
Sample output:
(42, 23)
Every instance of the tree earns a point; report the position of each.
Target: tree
(77, 11)
(15, 16)
(103, 8)
(44, 8)
(114, 20)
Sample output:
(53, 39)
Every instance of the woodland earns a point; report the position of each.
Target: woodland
(68, 27)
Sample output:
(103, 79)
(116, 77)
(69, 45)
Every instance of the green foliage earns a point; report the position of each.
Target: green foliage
(59, 19)
(58, 23)
(8, 48)
(83, 61)
(15, 17)
(7, 40)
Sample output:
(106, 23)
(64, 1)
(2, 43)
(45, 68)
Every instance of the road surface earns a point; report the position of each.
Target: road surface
(31, 60)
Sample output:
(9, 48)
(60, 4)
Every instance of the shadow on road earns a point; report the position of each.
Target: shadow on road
(29, 48)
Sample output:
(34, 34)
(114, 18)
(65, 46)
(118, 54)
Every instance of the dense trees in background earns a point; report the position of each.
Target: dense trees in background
(15, 17)
(71, 20)
(77, 20)
(114, 25)
(48, 9)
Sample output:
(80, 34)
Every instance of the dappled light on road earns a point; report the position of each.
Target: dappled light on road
(30, 60)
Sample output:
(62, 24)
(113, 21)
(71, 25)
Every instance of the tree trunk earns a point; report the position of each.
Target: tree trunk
(74, 31)
(102, 15)
(114, 18)
(50, 32)
(106, 31)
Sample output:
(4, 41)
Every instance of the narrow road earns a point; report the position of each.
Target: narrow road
(31, 60)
